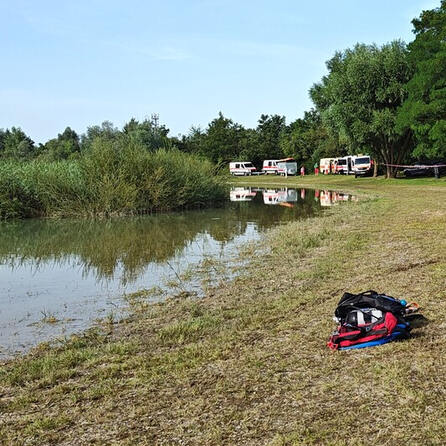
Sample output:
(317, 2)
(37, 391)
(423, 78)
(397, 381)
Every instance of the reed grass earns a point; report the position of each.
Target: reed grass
(113, 178)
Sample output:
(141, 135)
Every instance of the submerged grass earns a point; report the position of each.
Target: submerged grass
(113, 178)
(248, 365)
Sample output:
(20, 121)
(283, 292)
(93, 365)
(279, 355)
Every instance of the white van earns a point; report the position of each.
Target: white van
(344, 165)
(241, 168)
(362, 165)
(326, 165)
(269, 166)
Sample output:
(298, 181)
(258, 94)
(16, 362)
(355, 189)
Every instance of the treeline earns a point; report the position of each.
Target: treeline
(388, 101)
(222, 141)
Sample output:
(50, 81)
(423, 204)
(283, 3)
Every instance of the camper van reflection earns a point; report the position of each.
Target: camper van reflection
(242, 194)
(282, 196)
(331, 198)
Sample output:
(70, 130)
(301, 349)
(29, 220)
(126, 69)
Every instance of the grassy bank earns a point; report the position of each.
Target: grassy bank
(112, 178)
(248, 364)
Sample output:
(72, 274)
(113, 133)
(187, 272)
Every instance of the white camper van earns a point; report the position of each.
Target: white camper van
(344, 165)
(362, 165)
(326, 165)
(269, 166)
(241, 168)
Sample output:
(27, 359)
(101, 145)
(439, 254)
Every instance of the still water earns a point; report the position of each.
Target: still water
(72, 272)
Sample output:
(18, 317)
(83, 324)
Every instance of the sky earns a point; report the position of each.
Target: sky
(79, 63)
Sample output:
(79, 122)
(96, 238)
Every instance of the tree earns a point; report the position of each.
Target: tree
(16, 144)
(361, 96)
(106, 131)
(148, 133)
(307, 140)
(222, 140)
(425, 109)
(65, 146)
(190, 143)
(269, 130)
(2, 141)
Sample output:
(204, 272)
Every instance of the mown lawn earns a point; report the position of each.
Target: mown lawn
(247, 365)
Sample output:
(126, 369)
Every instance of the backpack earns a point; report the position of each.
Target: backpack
(368, 319)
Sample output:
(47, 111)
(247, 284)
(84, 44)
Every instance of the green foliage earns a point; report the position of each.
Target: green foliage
(116, 177)
(16, 144)
(106, 131)
(307, 140)
(221, 142)
(65, 146)
(269, 130)
(425, 109)
(360, 98)
(147, 133)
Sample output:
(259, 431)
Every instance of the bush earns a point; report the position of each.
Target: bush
(113, 177)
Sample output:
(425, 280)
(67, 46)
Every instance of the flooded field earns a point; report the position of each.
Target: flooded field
(58, 277)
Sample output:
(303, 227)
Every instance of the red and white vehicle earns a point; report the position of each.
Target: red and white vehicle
(270, 166)
(326, 165)
(241, 168)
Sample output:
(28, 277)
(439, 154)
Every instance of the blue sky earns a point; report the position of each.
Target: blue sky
(79, 63)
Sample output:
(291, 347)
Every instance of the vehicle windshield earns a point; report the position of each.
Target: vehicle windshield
(248, 165)
(363, 160)
(342, 162)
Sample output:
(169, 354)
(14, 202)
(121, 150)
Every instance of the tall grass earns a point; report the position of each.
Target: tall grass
(114, 177)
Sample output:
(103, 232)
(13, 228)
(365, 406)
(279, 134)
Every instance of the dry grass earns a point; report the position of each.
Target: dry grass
(248, 365)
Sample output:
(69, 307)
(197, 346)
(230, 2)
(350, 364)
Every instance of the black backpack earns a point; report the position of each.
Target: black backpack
(368, 299)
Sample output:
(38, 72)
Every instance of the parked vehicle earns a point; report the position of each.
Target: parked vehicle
(327, 165)
(269, 166)
(362, 165)
(424, 170)
(287, 166)
(241, 168)
(344, 166)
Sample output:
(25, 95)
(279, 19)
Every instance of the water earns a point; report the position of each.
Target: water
(75, 271)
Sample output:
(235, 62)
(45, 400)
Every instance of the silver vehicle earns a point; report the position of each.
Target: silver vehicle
(287, 166)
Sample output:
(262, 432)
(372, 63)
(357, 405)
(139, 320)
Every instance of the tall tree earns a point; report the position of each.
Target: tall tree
(16, 144)
(65, 146)
(269, 130)
(106, 131)
(425, 109)
(307, 140)
(222, 140)
(361, 96)
(2, 141)
(148, 133)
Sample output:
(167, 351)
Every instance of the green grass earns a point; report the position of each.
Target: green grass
(248, 364)
(114, 178)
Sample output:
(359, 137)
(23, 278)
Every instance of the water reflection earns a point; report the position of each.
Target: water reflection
(288, 197)
(76, 269)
